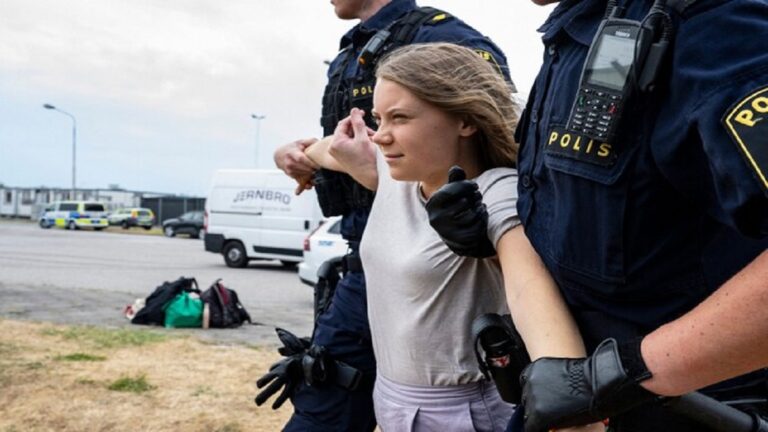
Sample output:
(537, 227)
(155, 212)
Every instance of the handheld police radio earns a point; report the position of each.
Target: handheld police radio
(371, 49)
(625, 56)
(505, 353)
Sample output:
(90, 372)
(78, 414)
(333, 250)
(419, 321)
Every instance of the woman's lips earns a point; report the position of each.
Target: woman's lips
(392, 157)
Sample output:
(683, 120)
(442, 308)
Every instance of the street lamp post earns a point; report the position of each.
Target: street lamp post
(258, 119)
(74, 143)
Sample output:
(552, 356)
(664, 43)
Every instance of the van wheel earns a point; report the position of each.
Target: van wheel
(195, 234)
(124, 224)
(72, 225)
(44, 224)
(288, 264)
(234, 255)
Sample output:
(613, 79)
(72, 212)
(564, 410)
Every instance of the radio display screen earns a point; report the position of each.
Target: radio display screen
(612, 61)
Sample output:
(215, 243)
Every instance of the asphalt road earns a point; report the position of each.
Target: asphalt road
(87, 277)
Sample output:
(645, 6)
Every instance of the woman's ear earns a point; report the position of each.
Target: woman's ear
(466, 128)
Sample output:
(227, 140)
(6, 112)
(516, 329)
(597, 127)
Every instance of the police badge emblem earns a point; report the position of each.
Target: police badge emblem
(747, 124)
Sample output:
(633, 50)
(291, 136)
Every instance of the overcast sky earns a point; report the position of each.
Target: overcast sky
(163, 90)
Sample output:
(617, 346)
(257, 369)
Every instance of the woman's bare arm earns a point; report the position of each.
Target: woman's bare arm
(538, 309)
(318, 153)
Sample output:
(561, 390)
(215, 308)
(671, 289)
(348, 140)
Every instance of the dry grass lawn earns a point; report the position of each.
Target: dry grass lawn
(74, 378)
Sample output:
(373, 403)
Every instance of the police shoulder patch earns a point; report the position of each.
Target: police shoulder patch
(747, 123)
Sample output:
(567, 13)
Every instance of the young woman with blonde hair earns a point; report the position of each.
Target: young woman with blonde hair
(440, 105)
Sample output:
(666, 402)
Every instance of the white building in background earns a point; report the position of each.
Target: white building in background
(26, 202)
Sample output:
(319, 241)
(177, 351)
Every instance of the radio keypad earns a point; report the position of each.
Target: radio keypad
(595, 111)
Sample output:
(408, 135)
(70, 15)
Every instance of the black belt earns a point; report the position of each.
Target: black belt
(351, 263)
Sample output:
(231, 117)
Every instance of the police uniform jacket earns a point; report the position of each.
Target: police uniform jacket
(639, 230)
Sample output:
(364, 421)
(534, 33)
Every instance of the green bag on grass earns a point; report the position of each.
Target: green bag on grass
(184, 311)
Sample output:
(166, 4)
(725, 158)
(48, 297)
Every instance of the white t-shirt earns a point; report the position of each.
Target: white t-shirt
(422, 298)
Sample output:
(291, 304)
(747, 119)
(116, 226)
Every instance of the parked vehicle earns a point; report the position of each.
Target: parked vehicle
(254, 214)
(74, 215)
(323, 244)
(191, 223)
(132, 217)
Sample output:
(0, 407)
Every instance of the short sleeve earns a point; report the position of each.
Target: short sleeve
(499, 189)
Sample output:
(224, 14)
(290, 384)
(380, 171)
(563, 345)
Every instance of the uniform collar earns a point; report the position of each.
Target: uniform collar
(393, 10)
(579, 18)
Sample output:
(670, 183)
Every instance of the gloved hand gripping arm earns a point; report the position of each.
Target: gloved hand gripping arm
(569, 392)
(456, 211)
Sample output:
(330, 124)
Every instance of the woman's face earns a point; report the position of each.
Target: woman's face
(419, 141)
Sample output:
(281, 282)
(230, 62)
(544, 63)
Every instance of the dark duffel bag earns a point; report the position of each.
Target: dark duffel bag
(153, 312)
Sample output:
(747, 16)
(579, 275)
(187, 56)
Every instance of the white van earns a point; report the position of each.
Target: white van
(255, 214)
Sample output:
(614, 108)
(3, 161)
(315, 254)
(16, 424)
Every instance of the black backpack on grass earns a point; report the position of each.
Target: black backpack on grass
(224, 308)
(153, 312)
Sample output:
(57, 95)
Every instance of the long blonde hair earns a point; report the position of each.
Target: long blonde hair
(459, 81)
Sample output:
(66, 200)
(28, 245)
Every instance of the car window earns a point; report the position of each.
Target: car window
(94, 207)
(335, 228)
(68, 207)
(143, 213)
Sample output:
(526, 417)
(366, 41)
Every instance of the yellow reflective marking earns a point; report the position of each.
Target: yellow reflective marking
(439, 17)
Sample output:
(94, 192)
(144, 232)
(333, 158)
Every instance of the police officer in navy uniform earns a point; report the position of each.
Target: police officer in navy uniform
(310, 373)
(656, 236)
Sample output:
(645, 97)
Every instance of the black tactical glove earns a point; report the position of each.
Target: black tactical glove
(558, 393)
(286, 373)
(456, 211)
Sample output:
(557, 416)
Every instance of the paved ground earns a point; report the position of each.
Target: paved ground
(87, 277)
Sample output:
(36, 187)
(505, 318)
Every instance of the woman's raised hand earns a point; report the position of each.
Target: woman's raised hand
(352, 145)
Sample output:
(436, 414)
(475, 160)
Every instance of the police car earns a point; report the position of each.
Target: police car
(132, 217)
(74, 215)
(323, 244)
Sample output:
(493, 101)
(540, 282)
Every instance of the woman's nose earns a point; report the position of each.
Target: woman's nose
(381, 137)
